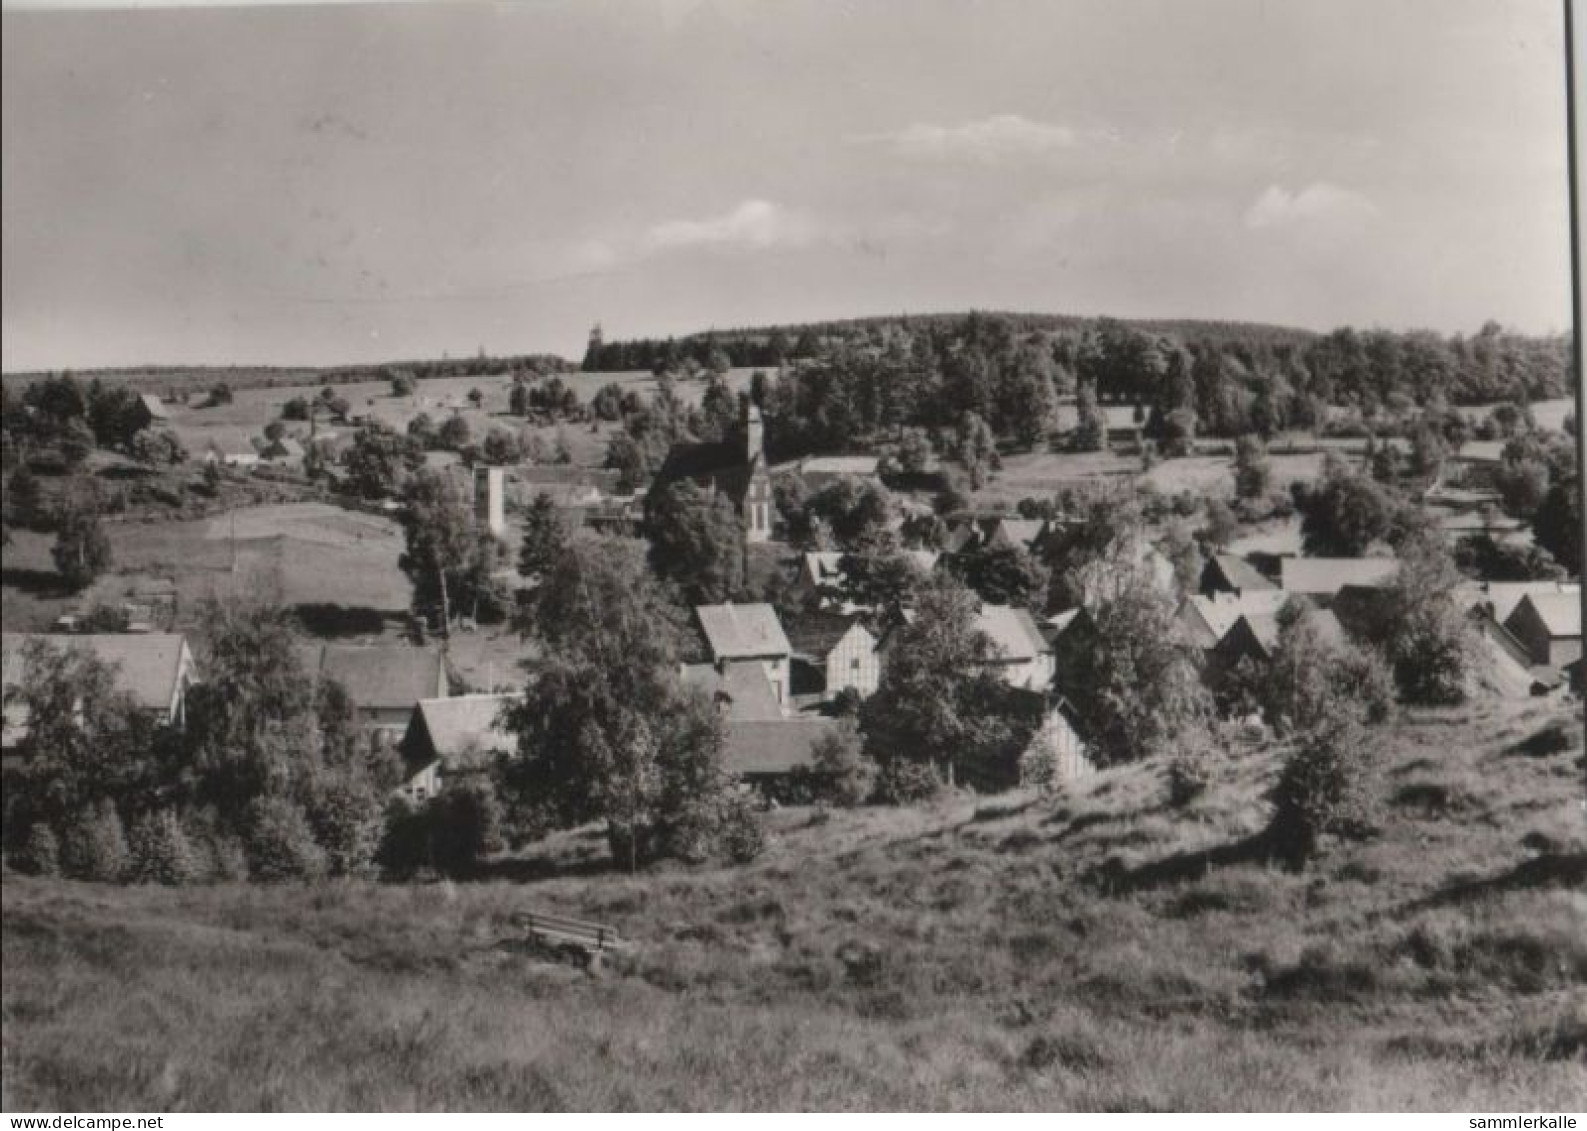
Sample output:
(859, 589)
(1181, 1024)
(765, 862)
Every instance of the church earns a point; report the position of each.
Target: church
(735, 468)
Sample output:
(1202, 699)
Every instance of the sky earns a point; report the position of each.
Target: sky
(363, 182)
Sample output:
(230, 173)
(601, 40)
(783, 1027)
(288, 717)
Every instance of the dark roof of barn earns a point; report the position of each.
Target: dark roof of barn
(376, 676)
(721, 462)
(755, 747)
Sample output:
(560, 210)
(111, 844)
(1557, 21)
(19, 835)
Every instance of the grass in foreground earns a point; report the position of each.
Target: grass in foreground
(1082, 952)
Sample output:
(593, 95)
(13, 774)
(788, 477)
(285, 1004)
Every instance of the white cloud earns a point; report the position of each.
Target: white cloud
(753, 224)
(998, 138)
(1317, 203)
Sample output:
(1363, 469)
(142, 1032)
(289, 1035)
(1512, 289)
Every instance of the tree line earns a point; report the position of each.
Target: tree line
(838, 391)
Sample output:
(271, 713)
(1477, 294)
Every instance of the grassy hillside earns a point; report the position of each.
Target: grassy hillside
(1096, 950)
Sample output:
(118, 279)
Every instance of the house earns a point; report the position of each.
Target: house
(1444, 497)
(155, 669)
(1207, 620)
(1057, 746)
(1322, 578)
(1548, 625)
(383, 681)
(283, 449)
(764, 752)
(747, 634)
(232, 447)
(1474, 464)
(822, 579)
(740, 692)
(1508, 669)
(151, 411)
(449, 735)
(735, 468)
(1473, 524)
(1023, 533)
(1230, 573)
(1022, 654)
(1024, 657)
(1502, 597)
(836, 652)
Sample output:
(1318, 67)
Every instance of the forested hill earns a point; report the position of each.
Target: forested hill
(751, 346)
(1206, 366)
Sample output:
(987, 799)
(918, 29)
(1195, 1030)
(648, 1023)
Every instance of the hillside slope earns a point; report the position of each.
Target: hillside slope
(1098, 950)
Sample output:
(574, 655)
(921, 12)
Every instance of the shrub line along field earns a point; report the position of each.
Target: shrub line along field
(1098, 950)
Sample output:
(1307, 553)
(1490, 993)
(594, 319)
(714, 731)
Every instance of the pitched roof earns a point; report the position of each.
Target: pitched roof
(466, 725)
(742, 631)
(1504, 596)
(1013, 632)
(377, 676)
(1329, 575)
(149, 663)
(154, 406)
(1211, 618)
(815, 634)
(744, 689)
(838, 465)
(722, 463)
(225, 440)
(755, 747)
(1238, 573)
(1559, 612)
(540, 475)
(1021, 532)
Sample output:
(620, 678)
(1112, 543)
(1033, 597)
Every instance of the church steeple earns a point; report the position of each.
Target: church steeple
(754, 435)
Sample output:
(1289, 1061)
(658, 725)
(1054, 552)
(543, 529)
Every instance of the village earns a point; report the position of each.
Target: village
(836, 543)
(682, 556)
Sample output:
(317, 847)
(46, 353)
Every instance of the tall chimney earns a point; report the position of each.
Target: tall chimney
(489, 509)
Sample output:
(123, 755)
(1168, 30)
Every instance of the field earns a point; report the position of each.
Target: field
(441, 397)
(331, 563)
(1101, 950)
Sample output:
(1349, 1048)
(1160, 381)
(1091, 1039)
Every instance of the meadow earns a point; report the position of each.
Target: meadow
(250, 409)
(312, 556)
(1097, 950)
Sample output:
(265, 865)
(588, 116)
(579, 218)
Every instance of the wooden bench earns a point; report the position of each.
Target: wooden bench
(579, 937)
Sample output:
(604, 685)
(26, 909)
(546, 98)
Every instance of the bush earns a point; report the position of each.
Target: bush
(41, 852)
(742, 838)
(405, 838)
(161, 852)
(345, 817)
(842, 774)
(902, 782)
(95, 845)
(280, 844)
(1324, 788)
(224, 858)
(451, 832)
(1188, 778)
(465, 825)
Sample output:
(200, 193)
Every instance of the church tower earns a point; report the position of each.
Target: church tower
(757, 491)
(754, 435)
